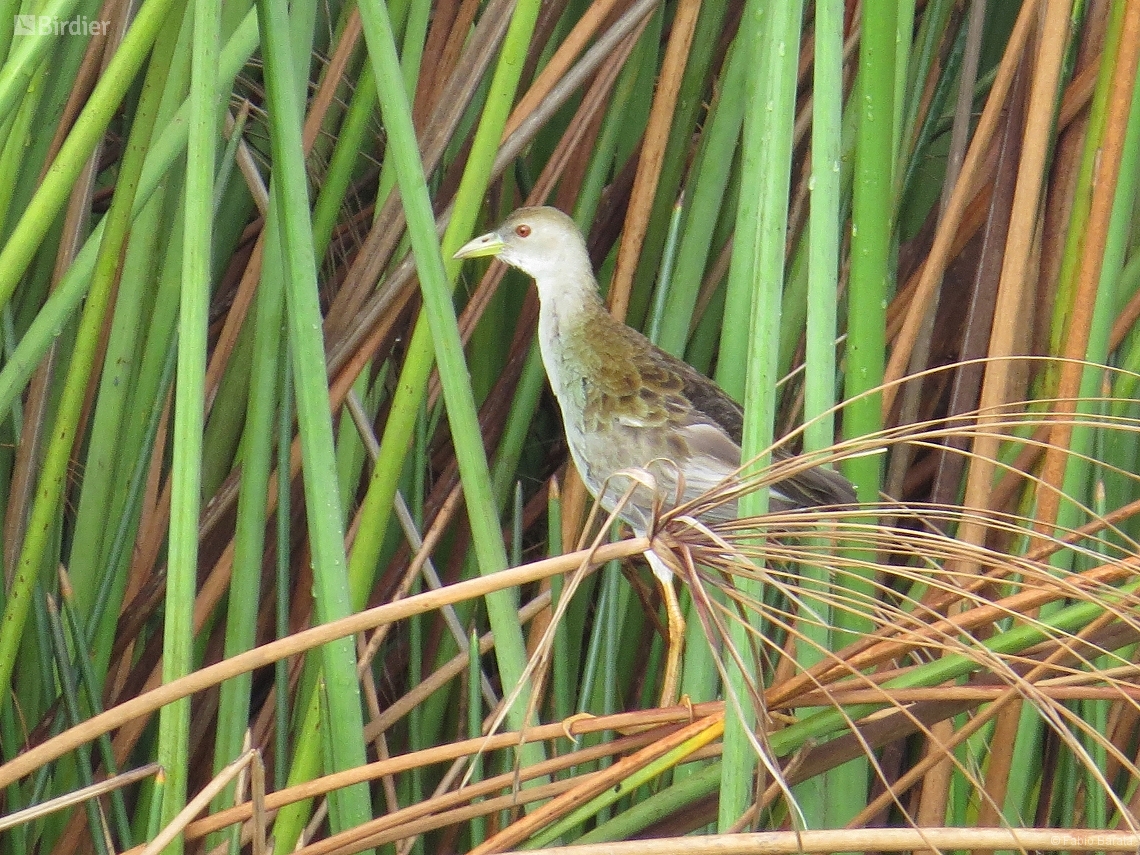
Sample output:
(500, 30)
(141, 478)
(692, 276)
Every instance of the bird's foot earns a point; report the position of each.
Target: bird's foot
(568, 724)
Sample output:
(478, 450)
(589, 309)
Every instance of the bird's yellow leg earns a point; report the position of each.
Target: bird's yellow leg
(676, 630)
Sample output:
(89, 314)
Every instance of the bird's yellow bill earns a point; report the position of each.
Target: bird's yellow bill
(488, 244)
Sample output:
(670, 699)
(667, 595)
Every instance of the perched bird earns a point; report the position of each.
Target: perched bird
(628, 405)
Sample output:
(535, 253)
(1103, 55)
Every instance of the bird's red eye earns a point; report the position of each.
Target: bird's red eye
(522, 231)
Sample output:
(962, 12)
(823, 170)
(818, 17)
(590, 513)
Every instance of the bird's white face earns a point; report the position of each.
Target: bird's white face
(542, 242)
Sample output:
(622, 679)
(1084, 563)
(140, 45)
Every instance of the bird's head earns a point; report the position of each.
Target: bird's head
(542, 242)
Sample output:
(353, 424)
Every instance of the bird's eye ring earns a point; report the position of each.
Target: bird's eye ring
(522, 231)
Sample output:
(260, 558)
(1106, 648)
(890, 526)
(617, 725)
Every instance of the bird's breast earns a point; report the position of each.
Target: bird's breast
(620, 412)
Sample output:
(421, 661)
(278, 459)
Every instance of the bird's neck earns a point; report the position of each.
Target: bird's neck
(569, 294)
(571, 310)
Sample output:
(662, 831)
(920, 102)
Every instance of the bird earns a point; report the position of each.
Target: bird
(646, 431)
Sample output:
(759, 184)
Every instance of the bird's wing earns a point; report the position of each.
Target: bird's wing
(641, 386)
(716, 428)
